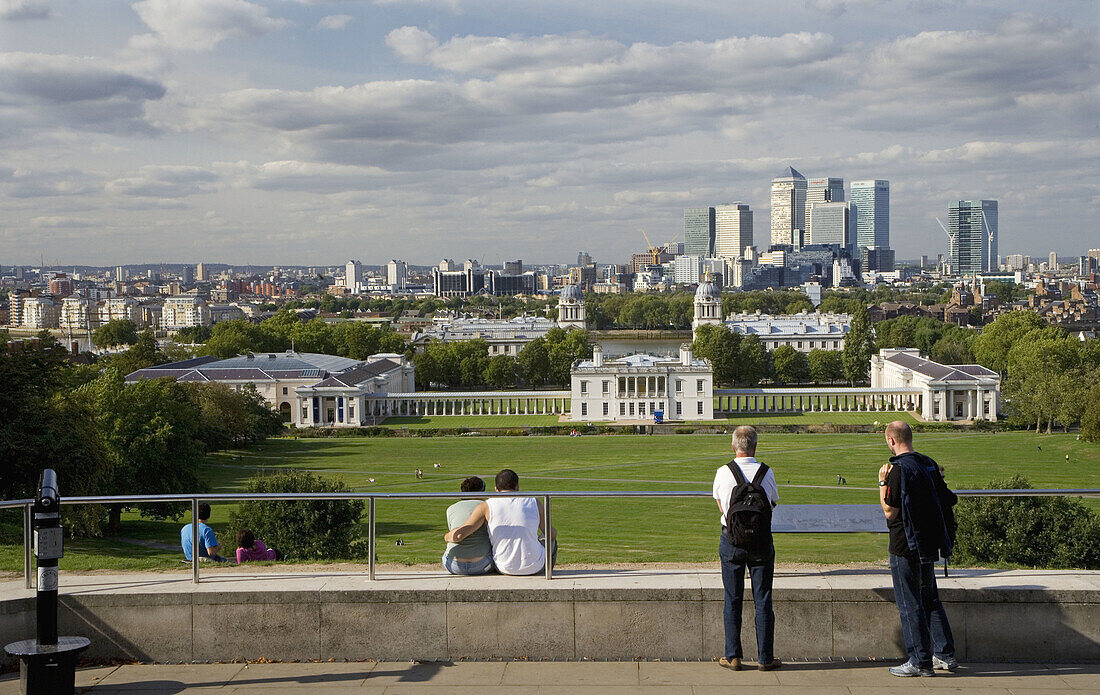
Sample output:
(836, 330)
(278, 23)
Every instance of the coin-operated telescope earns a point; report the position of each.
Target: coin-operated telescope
(47, 664)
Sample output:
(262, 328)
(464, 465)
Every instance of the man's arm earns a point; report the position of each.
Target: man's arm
(542, 523)
(478, 517)
(890, 512)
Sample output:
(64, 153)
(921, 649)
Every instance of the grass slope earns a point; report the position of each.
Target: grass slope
(604, 530)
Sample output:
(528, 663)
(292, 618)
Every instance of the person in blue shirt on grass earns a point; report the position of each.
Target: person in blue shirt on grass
(209, 549)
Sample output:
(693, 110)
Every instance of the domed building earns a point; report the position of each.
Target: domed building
(571, 311)
(708, 306)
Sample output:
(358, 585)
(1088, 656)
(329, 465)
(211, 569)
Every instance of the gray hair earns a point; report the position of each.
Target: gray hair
(744, 439)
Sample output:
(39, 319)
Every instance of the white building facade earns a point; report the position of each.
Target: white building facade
(343, 400)
(804, 332)
(950, 392)
(184, 311)
(637, 386)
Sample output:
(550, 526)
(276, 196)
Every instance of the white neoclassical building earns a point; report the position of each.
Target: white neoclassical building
(804, 332)
(636, 386)
(708, 306)
(947, 391)
(343, 399)
(571, 311)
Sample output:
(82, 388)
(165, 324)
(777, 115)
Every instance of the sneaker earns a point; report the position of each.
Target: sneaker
(909, 669)
(771, 665)
(948, 664)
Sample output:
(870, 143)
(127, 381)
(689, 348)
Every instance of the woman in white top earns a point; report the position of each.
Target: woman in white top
(514, 524)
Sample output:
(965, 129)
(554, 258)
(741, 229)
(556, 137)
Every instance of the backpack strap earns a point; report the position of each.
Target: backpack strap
(760, 473)
(738, 476)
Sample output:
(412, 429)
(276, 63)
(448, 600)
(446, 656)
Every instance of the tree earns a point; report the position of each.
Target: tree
(1037, 383)
(501, 371)
(151, 432)
(115, 332)
(722, 347)
(826, 365)
(1090, 421)
(996, 339)
(859, 345)
(790, 365)
(755, 360)
(317, 530)
(42, 425)
(563, 349)
(533, 361)
(142, 354)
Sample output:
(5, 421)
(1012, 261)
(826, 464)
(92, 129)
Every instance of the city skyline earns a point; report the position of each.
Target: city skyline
(315, 132)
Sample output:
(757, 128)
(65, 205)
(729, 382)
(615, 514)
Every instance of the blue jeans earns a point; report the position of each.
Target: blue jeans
(482, 566)
(734, 561)
(924, 625)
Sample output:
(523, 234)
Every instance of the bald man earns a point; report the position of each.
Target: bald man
(917, 505)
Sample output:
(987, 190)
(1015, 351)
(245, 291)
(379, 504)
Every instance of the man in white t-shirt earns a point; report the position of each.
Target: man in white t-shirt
(514, 524)
(734, 561)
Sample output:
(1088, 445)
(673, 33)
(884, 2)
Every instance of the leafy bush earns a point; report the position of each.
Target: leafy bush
(1054, 532)
(321, 530)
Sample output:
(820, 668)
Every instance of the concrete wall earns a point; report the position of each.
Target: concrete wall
(569, 621)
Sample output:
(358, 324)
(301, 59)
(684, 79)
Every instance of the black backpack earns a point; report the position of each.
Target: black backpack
(749, 516)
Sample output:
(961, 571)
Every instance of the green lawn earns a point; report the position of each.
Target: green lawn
(603, 530)
(814, 418)
(456, 421)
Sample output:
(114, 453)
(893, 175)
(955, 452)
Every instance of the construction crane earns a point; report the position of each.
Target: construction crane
(655, 251)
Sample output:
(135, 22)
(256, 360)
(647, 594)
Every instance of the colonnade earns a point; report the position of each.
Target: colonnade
(471, 403)
(733, 401)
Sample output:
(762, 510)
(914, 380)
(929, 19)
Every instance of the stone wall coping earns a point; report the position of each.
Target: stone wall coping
(274, 585)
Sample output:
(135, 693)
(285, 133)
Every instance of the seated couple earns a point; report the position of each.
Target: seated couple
(496, 534)
(249, 548)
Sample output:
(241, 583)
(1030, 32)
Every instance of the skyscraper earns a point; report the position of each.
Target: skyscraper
(788, 206)
(353, 276)
(830, 190)
(831, 223)
(699, 232)
(732, 230)
(871, 200)
(397, 273)
(972, 233)
(200, 272)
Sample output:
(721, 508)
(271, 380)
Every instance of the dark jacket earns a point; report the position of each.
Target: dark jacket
(926, 505)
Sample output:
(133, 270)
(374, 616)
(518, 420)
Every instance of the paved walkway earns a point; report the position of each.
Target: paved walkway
(575, 678)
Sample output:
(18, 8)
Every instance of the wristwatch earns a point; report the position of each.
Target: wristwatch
(882, 483)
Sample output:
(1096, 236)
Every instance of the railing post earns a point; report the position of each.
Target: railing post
(547, 536)
(28, 543)
(195, 540)
(371, 539)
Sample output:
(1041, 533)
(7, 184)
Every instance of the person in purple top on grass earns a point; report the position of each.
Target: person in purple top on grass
(249, 549)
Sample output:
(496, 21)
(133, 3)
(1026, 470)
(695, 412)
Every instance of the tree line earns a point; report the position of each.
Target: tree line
(546, 360)
(743, 359)
(103, 436)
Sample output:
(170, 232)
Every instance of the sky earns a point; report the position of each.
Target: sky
(306, 132)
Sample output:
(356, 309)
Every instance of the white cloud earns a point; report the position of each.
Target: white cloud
(164, 181)
(201, 24)
(334, 21)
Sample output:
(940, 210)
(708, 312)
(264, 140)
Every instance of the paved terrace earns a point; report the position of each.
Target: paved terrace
(277, 613)
(556, 678)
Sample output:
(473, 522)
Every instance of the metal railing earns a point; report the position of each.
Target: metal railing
(371, 498)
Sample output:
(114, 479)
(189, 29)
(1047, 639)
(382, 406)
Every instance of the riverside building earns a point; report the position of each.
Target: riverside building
(637, 386)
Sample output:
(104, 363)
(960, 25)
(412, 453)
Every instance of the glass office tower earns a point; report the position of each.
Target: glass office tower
(699, 232)
(972, 232)
(871, 200)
